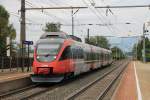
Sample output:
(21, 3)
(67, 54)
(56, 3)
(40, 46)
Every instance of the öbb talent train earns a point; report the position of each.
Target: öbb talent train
(58, 56)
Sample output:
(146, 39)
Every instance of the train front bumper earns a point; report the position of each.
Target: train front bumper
(46, 78)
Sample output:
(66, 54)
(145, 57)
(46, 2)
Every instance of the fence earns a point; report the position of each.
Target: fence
(15, 62)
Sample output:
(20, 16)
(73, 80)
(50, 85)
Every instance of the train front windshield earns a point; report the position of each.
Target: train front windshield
(47, 52)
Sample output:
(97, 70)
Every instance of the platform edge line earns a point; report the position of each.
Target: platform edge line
(137, 84)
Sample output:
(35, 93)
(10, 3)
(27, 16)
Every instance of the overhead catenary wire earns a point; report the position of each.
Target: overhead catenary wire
(85, 7)
(97, 14)
(93, 6)
(47, 13)
(130, 6)
(116, 30)
(55, 3)
(30, 22)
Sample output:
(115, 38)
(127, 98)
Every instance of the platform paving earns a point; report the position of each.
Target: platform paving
(14, 79)
(135, 83)
(126, 89)
(13, 74)
(143, 73)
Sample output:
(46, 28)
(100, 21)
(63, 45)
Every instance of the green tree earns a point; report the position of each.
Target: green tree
(117, 53)
(52, 27)
(6, 30)
(134, 51)
(137, 49)
(98, 41)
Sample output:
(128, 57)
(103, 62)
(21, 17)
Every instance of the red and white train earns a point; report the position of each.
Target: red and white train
(57, 56)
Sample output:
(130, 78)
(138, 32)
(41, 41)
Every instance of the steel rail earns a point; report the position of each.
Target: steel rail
(39, 92)
(102, 95)
(77, 93)
(47, 89)
(18, 90)
(22, 90)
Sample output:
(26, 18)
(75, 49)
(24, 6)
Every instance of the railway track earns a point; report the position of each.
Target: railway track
(27, 92)
(18, 90)
(40, 92)
(62, 92)
(82, 92)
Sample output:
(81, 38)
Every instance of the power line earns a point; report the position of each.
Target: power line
(111, 27)
(97, 14)
(103, 16)
(16, 15)
(47, 13)
(85, 7)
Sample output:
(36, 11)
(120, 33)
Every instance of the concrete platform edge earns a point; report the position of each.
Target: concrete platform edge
(7, 86)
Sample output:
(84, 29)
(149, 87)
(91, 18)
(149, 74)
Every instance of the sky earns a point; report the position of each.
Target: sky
(118, 19)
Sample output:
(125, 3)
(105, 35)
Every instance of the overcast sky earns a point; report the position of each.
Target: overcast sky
(135, 16)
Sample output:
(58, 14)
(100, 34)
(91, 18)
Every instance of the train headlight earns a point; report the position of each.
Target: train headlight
(54, 57)
(37, 57)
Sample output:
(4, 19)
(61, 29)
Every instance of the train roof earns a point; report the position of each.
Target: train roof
(59, 37)
(54, 35)
(50, 41)
(95, 48)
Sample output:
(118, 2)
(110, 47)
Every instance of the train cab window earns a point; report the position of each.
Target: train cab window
(66, 53)
(47, 52)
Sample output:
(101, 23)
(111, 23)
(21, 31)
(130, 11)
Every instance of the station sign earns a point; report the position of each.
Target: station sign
(28, 42)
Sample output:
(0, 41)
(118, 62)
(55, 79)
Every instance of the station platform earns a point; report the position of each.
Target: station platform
(11, 80)
(4, 77)
(135, 83)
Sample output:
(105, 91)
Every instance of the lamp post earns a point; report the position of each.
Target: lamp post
(72, 16)
(143, 51)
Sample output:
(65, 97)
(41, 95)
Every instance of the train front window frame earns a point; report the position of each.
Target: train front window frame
(48, 49)
(47, 52)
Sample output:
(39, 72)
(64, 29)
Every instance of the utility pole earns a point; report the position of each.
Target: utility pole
(22, 31)
(116, 53)
(143, 52)
(72, 22)
(88, 35)
(22, 22)
(136, 51)
(72, 15)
